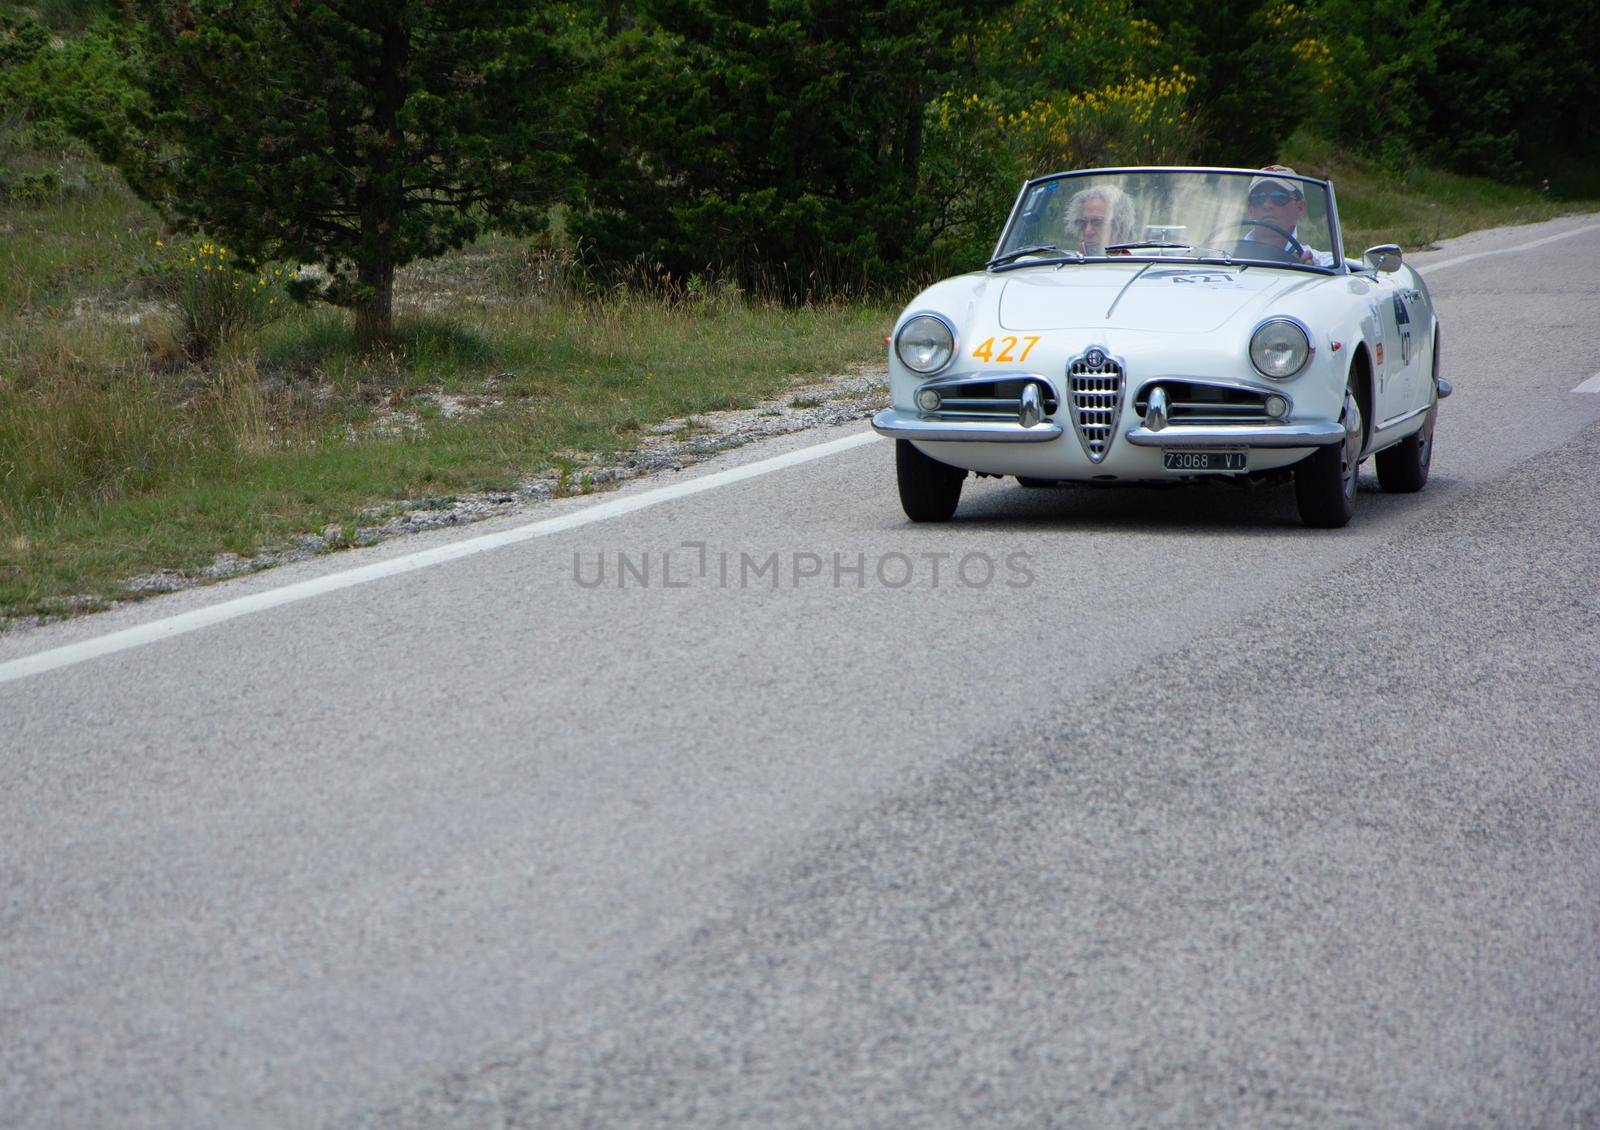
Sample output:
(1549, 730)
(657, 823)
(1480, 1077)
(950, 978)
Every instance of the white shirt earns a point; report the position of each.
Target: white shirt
(1318, 258)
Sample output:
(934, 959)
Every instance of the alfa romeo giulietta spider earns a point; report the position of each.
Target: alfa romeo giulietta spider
(1165, 325)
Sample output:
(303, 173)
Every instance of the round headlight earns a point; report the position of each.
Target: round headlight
(1280, 349)
(925, 344)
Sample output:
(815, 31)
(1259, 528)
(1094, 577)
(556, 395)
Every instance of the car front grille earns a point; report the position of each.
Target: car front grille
(990, 399)
(1096, 384)
(1191, 402)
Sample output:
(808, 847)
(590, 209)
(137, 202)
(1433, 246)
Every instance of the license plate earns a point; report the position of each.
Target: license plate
(1193, 461)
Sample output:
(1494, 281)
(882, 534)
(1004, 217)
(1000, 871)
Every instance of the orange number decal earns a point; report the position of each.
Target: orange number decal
(985, 350)
(1032, 341)
(1005, 350)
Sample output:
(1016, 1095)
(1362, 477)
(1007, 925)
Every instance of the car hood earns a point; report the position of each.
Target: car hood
(1161, 297)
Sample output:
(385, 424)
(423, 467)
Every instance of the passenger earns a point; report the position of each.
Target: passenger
(1281, 203)
(1100, 216)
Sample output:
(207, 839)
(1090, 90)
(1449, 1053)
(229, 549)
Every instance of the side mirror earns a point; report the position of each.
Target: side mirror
(1385, 257)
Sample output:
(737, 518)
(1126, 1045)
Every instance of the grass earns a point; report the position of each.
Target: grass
(1417, 207)
(76, 243)
(119, 456)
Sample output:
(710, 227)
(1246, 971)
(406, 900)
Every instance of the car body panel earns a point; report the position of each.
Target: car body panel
(1161, 298)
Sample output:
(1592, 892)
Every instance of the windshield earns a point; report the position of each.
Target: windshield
(1255, 217)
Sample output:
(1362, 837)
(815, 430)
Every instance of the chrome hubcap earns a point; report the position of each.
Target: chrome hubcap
(1350, 451)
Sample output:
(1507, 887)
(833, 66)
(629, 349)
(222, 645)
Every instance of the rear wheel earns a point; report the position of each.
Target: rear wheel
(1325, 482)
(1403, 468)
(929, 489)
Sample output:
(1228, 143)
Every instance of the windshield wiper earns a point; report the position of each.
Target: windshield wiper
(1041, 249)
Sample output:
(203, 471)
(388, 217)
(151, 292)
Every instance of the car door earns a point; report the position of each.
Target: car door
(1419, 362)
(1396, 361)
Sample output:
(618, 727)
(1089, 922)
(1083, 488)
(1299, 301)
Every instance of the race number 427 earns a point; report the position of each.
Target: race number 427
(1003, 349)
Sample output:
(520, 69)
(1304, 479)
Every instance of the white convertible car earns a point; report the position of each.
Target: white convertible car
(1146, 324)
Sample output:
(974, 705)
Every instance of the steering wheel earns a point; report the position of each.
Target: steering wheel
(1296, 248)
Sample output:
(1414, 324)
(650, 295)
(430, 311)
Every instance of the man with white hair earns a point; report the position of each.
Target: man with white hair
(1278, 203)
(1098, 216)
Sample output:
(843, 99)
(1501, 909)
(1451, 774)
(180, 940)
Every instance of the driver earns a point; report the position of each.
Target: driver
(1098, 216)
(1281, 203)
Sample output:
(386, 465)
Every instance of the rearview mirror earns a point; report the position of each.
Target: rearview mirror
(1385, 257)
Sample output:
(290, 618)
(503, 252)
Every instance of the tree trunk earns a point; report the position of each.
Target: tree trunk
(375, 312)
(379, 199)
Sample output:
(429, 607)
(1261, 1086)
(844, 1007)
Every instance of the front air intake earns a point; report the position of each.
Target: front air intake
(1095, 381)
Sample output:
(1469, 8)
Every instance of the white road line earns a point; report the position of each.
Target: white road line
(304, 590)
(1590, 385)
(1429, 268)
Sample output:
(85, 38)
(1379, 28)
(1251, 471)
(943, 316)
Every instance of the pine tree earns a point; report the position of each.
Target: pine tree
(354, 134)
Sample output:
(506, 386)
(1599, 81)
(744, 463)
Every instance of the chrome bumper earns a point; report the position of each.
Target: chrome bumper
(906, 425)
(1319, 434)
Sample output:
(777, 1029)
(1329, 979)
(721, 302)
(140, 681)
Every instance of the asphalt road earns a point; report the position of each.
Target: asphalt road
(1146, 808)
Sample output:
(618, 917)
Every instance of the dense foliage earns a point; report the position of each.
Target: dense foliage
(782, 141)
(1471, 85)
(796, 146)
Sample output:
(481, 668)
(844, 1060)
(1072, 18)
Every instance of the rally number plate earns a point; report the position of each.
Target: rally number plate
(1191, 462)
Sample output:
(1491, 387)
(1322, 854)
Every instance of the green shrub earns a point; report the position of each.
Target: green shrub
(81, 89)
(30, 188)
(217, 295)
(21, 39)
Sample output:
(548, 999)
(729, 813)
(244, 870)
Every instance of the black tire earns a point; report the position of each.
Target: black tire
(1325, 481)
(929, 489)
(1403, 468)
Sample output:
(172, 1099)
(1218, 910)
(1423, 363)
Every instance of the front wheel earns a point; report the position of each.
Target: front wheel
(1325, 481)
(929, 489)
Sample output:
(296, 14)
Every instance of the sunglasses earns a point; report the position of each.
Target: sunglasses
(1276, 195)
(1089, 222)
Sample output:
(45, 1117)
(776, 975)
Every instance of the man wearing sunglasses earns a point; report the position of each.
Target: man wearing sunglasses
(1280, 203)
(1098, 216)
